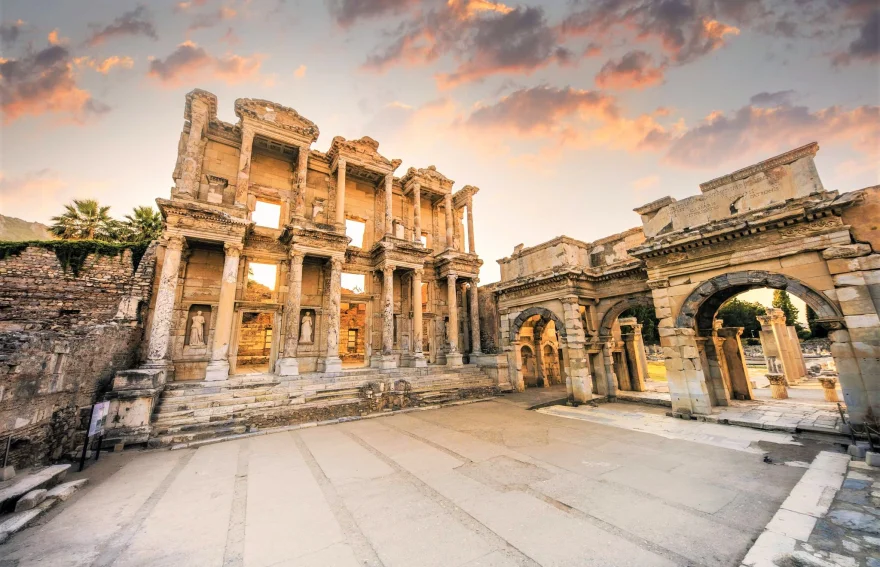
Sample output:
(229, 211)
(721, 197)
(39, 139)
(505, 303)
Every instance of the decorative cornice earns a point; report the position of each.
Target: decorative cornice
(278, 116)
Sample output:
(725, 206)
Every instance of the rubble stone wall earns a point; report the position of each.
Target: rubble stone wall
(62, 338)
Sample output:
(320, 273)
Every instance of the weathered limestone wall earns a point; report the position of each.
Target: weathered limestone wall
(62, 338)
(490, 320)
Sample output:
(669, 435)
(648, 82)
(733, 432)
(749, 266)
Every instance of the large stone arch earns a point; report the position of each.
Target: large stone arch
(614, 312)
(544, 313)
(698, 310)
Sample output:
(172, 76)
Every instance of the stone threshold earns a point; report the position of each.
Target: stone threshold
(808, 502)
(283, 428)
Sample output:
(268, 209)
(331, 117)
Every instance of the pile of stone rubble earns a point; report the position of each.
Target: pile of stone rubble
(24, 499)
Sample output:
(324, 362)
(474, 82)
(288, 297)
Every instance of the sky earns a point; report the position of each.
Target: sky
(566, 114)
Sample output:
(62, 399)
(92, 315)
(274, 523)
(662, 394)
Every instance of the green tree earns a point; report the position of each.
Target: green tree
(85, 219)
(143, 225)
(817, 331)
(647, 318)
(781, 300)
(738, 313)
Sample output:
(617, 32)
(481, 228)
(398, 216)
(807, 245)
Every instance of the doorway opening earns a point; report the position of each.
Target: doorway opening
(353, 334)
(256, 343)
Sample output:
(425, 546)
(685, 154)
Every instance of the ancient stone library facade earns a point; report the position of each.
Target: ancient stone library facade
(557, 309)
(292, 285)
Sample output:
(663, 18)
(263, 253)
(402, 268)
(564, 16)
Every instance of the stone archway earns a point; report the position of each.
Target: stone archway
(621, 306)
(544, 313)
(705, 369)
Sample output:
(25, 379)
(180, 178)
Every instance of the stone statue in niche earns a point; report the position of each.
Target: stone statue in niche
(317, 209)
(306, 329)
(197, 330)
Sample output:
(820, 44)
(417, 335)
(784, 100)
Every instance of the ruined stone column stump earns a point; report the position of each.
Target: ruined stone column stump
(454, 359)
(778, 391)
(829, 388)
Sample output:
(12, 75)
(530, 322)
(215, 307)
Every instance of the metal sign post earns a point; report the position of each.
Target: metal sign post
(96, 428)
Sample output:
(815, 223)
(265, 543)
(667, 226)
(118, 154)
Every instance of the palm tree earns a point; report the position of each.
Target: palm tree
(85, 219)
(144, 225)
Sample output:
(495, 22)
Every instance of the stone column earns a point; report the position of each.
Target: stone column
(684, 370)
(417, 212)
(737, 369)
(387, 360)
(608, 363)
(302, 173)
(331, 361)
(634, 345)
(775, 340)
(288, 365)
(575, 341)
(453, 357)
(188, 184)
(449, 228)
(418, 357)
(163, 312)
(218, 368)
(340, 191)
(472, 248)
(389, 193)
(244, 166)
(829, 388)
(476, 347)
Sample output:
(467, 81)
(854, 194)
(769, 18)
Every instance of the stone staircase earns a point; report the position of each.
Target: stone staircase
(193, 411)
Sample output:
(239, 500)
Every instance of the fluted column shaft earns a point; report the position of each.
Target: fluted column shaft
(244, 166)
(340, 191)
(218, 368)
(333, 315)
(387, 310)
(417, 213)
(449, 221)
(163, 313)
(302, 172)
(293, 304)
(475, 318)
(417, 310)
(472, 248)
(389, 187)
(452, 307)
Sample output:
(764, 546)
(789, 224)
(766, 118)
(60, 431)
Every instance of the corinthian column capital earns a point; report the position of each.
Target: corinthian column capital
(233, 248)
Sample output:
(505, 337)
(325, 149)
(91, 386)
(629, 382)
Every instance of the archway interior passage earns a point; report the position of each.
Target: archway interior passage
(540, 336)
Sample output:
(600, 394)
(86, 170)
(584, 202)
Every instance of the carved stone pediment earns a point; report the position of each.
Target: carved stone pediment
(429, 179)
(275, 115)
(363, 152)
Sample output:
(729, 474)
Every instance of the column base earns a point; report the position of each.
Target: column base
(454, 359)
(330, 364)
(414, 360)
(217, 370)
(287, 367)
(383, 361)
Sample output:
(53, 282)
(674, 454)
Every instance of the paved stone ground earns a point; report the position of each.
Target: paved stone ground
(485, 484)
(849, 534)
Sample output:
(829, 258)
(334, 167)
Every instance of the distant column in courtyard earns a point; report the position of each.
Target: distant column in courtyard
(389, 188)
(449, 228)
(476, 348)
(163, 314)
(218, 367)
(417, 212)
(418, 356)
(472, 248)
(340, 191)
(244, 166)
(453, 357)
(332, 362)
(288, 365)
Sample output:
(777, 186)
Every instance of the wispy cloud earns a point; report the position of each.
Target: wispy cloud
(189, 61)
(132, 23)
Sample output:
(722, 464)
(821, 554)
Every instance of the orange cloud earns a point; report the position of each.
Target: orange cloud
(106, 65)
(43, 83)
(190, 61)
(645, 182)
(300, 72)
(635, 70)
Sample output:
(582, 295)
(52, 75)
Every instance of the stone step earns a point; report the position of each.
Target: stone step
(43, 478)
(165, 429)
(199, 435)
(207, 414)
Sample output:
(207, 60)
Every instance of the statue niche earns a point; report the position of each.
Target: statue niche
(307, 327)
(197, 324)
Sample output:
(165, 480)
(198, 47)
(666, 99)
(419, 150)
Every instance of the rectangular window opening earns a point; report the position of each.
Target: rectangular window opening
(266, 214)
(354, 229)
(424, 239)
(352, 340)
(353, 283)
(262, 280)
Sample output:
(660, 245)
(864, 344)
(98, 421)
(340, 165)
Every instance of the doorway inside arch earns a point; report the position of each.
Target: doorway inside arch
(540, 352)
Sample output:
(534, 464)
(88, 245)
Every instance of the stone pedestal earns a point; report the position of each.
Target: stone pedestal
(287, 367)
(778, 391)
(132, 401)
(829, 389)
(454, 359)
(383, 361)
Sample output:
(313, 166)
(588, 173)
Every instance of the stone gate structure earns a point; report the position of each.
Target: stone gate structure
(770, 225)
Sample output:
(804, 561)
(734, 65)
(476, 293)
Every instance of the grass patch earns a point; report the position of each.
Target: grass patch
(657, 371)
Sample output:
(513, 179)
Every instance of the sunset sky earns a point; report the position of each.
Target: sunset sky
(566, 114)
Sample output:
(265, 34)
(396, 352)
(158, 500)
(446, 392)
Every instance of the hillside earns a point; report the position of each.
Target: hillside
(13, 229)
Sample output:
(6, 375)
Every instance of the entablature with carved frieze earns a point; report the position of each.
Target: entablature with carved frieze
(199, 221)
(276, 122)
(362, 158)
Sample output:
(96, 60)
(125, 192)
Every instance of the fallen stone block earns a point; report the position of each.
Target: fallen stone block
(30, 500)
(873, 459)
(857, 452)
(66, 490)
(29, 482)
(7, 473)
(17, 522)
